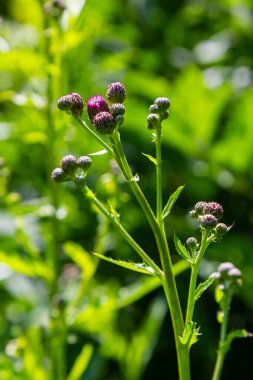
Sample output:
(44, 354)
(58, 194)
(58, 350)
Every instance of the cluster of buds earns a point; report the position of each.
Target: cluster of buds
(158, 112)
(71, 168)
(228, 277)
(103, 116)
(209, 215)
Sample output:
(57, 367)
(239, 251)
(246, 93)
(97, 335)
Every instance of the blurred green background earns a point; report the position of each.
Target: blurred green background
(197, 53)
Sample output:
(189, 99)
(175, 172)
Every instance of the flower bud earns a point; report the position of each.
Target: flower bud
(213, 208)
(116, 92)
(69, 164)
(104, 123)
(199, 207)
(208, 221)
(164, 115)
(192, 243)
(152, 121)
(154, 108)
(95, 105)
(163, 104)
(58, 175)
(71, 103)
(221, 229)
(117, 109)
(84, 162)
(225, 267)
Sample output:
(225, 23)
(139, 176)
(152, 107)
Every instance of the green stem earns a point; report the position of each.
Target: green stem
(194, 274)
(92, 198)
(102, 142)
(169, 283)
(223, 334)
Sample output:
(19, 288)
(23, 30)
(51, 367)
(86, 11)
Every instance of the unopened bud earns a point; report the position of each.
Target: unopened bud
(84, 162)
(221, 229)
(213, 208)
(152, 121)
(69, 164)
(163, 104)
(116, 92)
(208, 221)
(191, 243)
(58, 175)
(104, 123)
(71, 103)
(117, 109)
(154, 108)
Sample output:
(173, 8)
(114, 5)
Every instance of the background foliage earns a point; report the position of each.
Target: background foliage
(199, 54)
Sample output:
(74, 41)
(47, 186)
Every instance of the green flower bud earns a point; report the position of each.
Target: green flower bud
(84, 162)
(192, 243)
(154, 108)
(221, 229)
(152, 121)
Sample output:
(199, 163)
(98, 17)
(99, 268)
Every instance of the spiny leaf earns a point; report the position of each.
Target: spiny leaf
(171, 201)
(151, 158)
(202, 287)
(137, 267)
(181, 250)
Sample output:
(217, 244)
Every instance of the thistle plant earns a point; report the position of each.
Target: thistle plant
(104, 120)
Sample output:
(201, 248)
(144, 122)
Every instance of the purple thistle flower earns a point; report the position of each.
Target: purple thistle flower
(96, 104)
(208, 221)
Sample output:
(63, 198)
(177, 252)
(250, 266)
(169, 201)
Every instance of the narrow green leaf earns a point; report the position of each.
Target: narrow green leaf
(81, 363)
(151, 158)
(137, 267)
(202, 287)
(171, 201)
(181, 250)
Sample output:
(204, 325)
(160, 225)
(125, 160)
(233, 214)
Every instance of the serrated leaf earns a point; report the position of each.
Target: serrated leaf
(137, 267)
(99, 153)
(190, 334)
(172, 200)
(202, 287)
(151, 158)
(181, 250)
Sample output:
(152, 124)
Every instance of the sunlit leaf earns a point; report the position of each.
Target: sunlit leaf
(151, 158)
(172, 200)
(202, 287)
(137, 267)
(181, 250)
